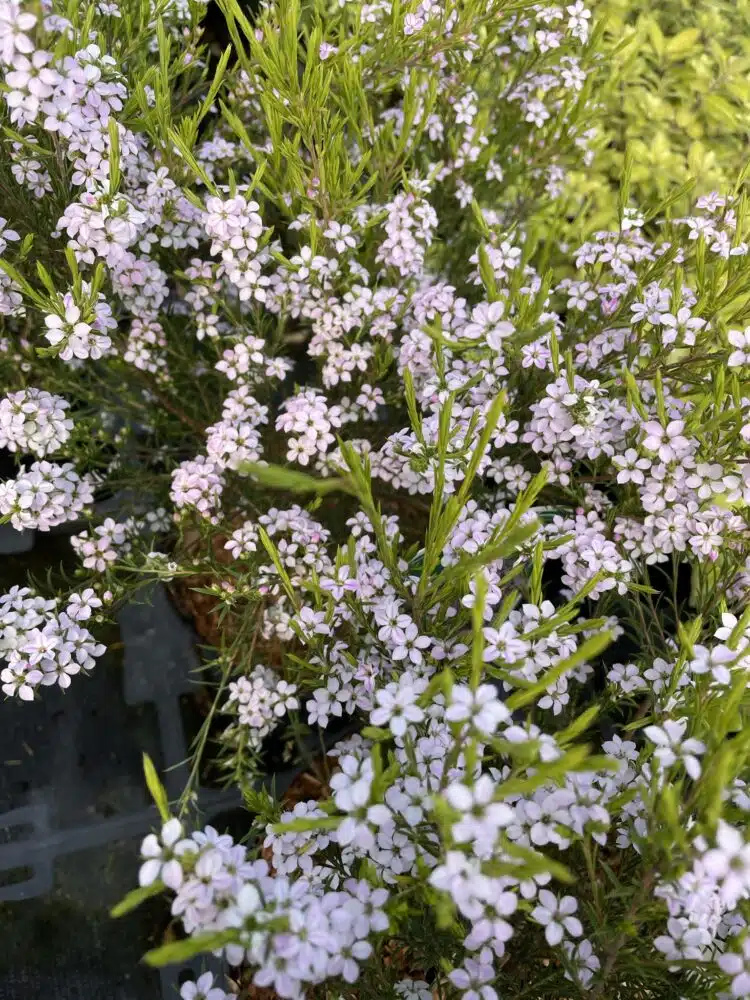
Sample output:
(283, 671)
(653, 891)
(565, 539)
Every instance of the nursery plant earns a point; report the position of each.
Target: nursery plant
(676, 93)
(296, 329)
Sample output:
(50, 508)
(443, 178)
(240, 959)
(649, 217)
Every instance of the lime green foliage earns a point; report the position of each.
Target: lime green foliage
(677, 89)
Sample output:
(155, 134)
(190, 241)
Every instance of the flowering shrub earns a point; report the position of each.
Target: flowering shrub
(470, 503)
(142, 267)
(550, 675)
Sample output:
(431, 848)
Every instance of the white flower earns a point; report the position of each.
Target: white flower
(397, 704)
(159, 853)
(680, 328)
(627, 677)
(631, 466)
(312, 623)
(729, 864)
(413, 989)
(556, 916)
(740, 340)
(474, 976)
(487, 323)
(80, 606)
(351, 785)
(482, 707)
(203, 989)
(482, 817)
(671, 747)
(248, 900)
(669, 442)
(737, 965)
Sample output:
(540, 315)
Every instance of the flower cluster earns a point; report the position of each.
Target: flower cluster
(261, 699)
(42, 646)
(295, 933)
(44, 495)
(33, 420)
(235, 228)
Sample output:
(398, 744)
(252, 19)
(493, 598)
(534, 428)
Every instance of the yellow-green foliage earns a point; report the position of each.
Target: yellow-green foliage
(678, 91)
